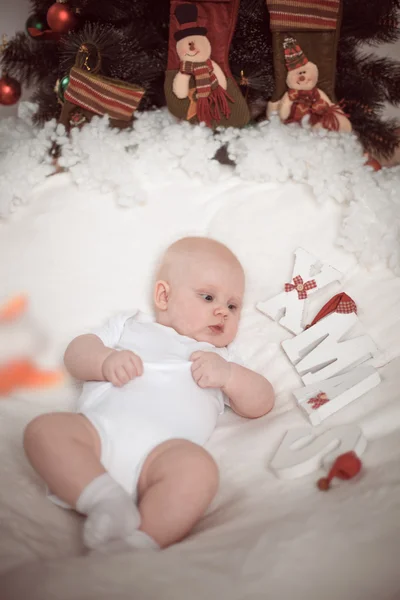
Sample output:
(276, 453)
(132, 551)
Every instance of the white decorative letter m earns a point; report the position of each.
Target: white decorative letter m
(319, 353)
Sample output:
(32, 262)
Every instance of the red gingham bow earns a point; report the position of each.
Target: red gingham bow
(300, 286)
(318, 400)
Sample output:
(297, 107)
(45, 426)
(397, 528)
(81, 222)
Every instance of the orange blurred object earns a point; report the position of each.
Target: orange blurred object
(14, 308)
(20, 374)
(18, 348)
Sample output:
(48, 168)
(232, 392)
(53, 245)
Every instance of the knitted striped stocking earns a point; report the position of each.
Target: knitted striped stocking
(315, 24)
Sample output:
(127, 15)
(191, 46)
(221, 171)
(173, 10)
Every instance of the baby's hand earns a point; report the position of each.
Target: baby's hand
(121, 366)
(210, 370)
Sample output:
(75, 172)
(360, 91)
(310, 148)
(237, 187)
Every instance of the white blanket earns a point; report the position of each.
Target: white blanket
(81, 258)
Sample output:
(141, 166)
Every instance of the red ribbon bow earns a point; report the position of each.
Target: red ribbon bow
(301, 287)
(318, 400)
(310, 102)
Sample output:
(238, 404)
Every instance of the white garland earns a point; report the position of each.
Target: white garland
(161, 149)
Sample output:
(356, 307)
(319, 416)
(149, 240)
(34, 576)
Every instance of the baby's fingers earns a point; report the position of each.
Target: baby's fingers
(122, 375)
(203, 381)
(137, 363)
(196, 367)
(196, 374)
(196, 355)
(130, 368)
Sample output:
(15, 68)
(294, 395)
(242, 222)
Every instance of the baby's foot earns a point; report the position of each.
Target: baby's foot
(111, 512)
(112, 520)
(136, 541)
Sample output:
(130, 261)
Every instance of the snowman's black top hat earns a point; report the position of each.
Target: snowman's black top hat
(187, 15)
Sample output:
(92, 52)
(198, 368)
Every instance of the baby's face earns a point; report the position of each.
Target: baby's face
(206, 301)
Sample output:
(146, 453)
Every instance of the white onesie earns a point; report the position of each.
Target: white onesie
(164, 403)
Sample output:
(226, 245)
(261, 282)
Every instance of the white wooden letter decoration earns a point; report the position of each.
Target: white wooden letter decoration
(322, 399)
(328, 365)
(302, 451)
(291, 301)
(317, 353)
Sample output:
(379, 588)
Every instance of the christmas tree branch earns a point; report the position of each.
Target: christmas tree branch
(385, 73)
(29, 61)
(379, 22)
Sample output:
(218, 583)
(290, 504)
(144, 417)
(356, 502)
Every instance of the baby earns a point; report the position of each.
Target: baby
(132, 458)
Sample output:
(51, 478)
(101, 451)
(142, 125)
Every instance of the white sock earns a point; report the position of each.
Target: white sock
(142, 540)
(139, 540)
(111, 512)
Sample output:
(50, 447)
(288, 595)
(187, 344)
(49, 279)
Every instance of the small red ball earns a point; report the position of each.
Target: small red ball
(10, 91)
(376, 165)
(60, 18)
(372, 162)
(323, 484)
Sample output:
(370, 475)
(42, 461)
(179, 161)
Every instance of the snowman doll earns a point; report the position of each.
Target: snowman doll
(303, 96)
(199, 78)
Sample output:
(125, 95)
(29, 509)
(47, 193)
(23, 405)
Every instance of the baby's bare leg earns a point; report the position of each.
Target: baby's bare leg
(64, 449)
(177, 484)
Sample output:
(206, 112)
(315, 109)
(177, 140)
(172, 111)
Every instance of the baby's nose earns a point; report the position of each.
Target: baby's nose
(222, 310)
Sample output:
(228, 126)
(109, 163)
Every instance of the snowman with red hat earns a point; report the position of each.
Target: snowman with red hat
(304, 98)
(209, 99)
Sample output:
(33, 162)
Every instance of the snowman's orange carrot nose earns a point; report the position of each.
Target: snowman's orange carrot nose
(13, 308)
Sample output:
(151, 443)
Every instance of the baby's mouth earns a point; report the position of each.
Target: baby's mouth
(216, 329)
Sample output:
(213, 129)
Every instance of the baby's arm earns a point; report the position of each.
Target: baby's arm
(250, 394)
(85, 356)
(88, 359)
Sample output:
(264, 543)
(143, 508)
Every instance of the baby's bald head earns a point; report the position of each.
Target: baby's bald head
(193, 250)
(199, 290)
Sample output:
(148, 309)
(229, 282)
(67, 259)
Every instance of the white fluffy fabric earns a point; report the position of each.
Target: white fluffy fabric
(83, 246)
(123, 162)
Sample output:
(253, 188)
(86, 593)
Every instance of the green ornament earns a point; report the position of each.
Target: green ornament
(62, 86)
(36, 25)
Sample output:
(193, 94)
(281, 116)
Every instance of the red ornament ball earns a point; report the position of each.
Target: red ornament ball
(60, 18)
(10, 91)
(372, 162)
(323, 484)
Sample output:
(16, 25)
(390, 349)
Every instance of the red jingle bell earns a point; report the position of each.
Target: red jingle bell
(10, 90)
(60, 17)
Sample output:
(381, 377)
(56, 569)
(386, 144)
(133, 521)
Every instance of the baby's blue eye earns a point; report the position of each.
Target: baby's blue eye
(207, 297)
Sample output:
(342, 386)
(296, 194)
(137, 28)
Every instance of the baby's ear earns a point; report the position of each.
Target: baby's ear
(161, 295)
